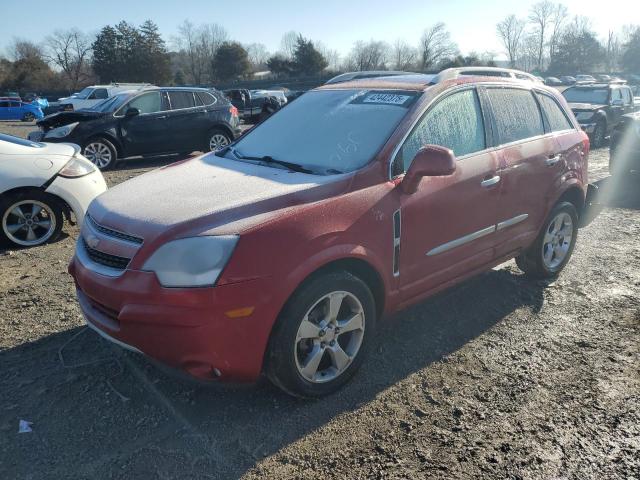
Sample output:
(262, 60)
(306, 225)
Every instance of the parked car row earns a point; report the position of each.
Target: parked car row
(256, 105)
(11, 109)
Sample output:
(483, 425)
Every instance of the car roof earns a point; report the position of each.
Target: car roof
(345, 77)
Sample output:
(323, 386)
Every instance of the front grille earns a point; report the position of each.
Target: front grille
(114, 233)
(106, 259)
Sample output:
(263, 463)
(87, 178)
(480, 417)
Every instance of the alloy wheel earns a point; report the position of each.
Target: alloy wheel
(99, 154)
(329, 337)
(29, 222)
(218, 141)
(557, 240)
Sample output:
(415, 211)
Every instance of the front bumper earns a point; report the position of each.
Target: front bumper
(79, 192)
(189, 329)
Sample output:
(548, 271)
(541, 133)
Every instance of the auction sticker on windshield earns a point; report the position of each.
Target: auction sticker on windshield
(387, 98)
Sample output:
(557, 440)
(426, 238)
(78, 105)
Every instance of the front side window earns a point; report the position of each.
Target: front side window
(616, 95)
(627, 98)
(329, 131)
(516, 113)
(180, 100)
(83, 94)
(99, 94)
(454, 122)
(147, 103)
(558, 121)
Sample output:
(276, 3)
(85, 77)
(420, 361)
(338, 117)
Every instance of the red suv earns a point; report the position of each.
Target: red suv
(281, 252)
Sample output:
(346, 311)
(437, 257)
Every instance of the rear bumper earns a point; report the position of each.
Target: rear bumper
(186, 329)
(592, 206)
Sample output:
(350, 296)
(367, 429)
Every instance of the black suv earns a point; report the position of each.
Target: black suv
(598, 107)
(145, 122)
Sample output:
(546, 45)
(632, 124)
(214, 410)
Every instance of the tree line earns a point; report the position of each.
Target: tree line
(549, 40)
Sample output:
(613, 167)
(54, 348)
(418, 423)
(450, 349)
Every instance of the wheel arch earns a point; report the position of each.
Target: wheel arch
(225, 128)
(66, 209)
(110, 138)
(575, 195)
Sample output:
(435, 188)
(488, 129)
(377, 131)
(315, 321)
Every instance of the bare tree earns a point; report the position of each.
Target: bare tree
(331, 56)
(288, 43)
(258, 55)
(200, 44)
(371, 55)
(70, 50)
(24, 49)
(403, 55)
(559, 17)
(613, 51)
(510, 33)
(435, 46)
(541, 15)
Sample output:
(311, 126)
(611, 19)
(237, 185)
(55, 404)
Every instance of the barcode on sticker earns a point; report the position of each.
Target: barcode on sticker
(387, 98)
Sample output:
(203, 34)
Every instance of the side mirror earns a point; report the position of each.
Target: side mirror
(131, 112)
(430, 161)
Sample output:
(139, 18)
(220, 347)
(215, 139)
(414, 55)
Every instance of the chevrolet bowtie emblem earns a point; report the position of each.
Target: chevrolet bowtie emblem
(92, 241)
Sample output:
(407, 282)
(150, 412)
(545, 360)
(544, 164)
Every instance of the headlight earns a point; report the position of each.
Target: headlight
(191, 262)
(61, 132)
(584, 115)
(77, 167)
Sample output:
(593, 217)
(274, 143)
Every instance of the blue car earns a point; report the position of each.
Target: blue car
(14, 110)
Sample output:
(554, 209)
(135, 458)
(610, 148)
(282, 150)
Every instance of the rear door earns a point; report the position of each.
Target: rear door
(448, 224)
(529, 162)
(147, 132)
(186, 121)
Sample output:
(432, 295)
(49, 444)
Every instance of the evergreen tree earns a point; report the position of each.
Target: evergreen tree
(230, 61)
(307, 59)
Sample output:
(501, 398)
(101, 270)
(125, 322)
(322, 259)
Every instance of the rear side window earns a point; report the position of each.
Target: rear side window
(454, 122)
(181, 100)
(516, 114)
(147, 103)
(4, 104)
(555, 116)
(206, 98)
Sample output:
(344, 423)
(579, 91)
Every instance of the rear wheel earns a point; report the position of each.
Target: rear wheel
(29, 219)
(217, 140)
(322, 336)
(554, 245)
(100, 152)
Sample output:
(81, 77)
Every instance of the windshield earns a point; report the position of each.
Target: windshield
(328, 131)
(83, 93)
(586, 95)
(111, 104)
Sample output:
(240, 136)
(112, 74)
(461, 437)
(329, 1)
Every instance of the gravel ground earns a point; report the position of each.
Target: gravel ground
(499, 377)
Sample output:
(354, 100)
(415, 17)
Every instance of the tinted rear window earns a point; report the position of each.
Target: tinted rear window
(555, 116)
(181, 100)
(516, 113)
(206, 98)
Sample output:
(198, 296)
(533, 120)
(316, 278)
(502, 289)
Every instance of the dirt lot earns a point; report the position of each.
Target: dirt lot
(497, 378)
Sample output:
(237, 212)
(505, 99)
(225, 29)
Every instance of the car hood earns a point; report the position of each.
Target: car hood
(585, 106)
(64, 118)
(208, 194)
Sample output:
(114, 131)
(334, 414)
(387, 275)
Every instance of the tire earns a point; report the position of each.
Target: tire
(100, 152)
(21, 228)
(536, 261)
(599, 134)
(290, 358)
(28, 117)
(216, 140)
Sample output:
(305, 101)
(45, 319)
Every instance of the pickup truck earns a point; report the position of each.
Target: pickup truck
(256, 105)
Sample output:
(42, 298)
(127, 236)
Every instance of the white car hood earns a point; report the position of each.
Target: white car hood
(212, 190)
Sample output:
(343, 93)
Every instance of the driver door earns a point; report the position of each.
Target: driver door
(448, 224)
(148, 132)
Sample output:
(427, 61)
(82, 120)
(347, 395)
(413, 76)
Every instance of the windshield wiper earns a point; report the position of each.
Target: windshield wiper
(269, 159)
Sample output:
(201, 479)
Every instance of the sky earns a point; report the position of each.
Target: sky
(337, 24)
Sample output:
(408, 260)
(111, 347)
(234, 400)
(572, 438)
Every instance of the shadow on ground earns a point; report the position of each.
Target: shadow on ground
(98, 412)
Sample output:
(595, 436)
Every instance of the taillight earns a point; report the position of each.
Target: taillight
(234, 111)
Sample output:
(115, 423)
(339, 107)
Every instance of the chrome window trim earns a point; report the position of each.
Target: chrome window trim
(512, 221)
(461, 241)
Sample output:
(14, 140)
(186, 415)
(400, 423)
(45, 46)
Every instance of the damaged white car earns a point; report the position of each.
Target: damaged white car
(41, 185)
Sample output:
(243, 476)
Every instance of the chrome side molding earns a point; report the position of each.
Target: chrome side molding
(512, 221)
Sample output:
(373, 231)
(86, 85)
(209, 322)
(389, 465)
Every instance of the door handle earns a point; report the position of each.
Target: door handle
(161, 117)
(551, 161)
(489, 182)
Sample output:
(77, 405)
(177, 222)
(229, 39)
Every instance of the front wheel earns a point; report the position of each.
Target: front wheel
(28, 117)
(599, 134)
(554, 245)
(322, 335)
(100, 152)
(30, 219)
